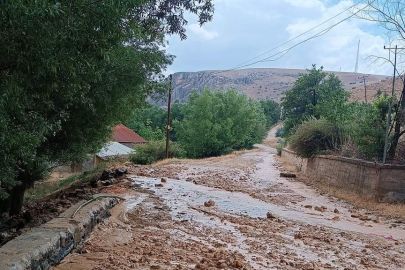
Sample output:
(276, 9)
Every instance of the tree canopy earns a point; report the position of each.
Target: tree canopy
(271, 110)
(70, 71)
(217, 122)
(316, 94)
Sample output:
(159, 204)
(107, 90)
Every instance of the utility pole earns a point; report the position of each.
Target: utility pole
(389, 105)
(168, 116)
(365, 88)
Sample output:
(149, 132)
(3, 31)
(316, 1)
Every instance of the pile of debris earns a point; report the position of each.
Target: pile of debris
(108, 177)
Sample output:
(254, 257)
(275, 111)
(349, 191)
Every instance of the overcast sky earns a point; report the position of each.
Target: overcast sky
(243, 29)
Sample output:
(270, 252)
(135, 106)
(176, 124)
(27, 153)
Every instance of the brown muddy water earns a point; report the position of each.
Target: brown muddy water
(165, 225)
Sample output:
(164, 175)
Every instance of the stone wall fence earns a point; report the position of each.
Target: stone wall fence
(371, 180)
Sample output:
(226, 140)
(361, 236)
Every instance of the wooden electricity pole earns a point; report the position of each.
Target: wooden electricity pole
(365, 88)
(389, 105)
(168, 116)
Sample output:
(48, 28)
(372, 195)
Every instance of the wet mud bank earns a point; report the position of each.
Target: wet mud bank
(48, 244)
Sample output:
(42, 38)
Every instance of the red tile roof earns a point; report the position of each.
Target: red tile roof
(122, 134)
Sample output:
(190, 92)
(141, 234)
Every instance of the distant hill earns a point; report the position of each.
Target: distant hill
(258, 83)
(384, 86)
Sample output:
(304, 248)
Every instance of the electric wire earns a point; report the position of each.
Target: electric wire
(284, 52)
(300, 35)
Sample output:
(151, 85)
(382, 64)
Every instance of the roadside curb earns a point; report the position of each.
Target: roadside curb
(48, 244)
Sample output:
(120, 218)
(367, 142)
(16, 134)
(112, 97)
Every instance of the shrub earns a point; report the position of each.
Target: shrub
(154, 151)
(315, 136)
(219, 122)
(280, 146)
(280, 132)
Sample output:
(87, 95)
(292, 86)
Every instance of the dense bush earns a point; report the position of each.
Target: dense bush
(315, 136)
(271, 110)
(358, 132)
(281, 144)
(351, 129)
(154, 151)
(280, 132)
(217, 122)
(368, 128)
(150, 121)
(314, 94)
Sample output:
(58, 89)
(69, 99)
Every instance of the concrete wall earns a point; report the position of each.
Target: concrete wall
(47, 245)
(371, 180)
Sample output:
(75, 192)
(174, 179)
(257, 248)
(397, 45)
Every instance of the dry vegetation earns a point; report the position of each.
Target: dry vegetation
(391, 210)
(385, 86)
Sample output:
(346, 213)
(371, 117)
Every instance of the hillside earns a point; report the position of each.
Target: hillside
(372, 88)
(259, 84)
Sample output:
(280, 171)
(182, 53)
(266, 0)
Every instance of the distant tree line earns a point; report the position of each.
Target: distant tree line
(212, 123)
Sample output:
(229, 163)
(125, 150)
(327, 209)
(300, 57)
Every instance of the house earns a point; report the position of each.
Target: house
(126, 136)
(123, 141)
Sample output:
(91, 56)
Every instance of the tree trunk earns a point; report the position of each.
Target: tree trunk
(4, 205)
(16, 199)
(399, 117)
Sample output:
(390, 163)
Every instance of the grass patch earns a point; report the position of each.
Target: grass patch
(155, 151)
(170, 161)
(42, 189)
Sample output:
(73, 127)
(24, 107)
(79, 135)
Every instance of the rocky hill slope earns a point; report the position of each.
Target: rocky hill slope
(259, 84)
(371, 89)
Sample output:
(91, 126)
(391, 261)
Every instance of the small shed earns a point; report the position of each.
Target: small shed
(126, 136)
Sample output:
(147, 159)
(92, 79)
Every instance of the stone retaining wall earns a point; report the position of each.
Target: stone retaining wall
(371, 180)
(48, 244)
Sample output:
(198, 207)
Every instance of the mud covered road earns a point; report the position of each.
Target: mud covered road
(235, 212)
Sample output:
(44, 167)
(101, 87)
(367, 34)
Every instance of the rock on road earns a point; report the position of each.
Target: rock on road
(235, 212)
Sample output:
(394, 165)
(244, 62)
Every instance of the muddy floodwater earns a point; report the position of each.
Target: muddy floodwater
(235, 212)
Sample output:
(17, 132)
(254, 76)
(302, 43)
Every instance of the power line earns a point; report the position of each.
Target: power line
(284, 52)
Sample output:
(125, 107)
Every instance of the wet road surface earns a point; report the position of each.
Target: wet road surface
(258, 221)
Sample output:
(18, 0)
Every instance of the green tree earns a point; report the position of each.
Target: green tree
(314, 94)
(217, 122)
(150, 121)
(368, 125)
(390, 16)
(70, 71)
(176, 115)
(271, 111)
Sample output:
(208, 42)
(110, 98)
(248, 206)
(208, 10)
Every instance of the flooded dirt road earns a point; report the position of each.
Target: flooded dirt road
(235, 212)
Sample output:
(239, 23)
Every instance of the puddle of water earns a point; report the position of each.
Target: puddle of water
(180, 194)
(132, 201)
